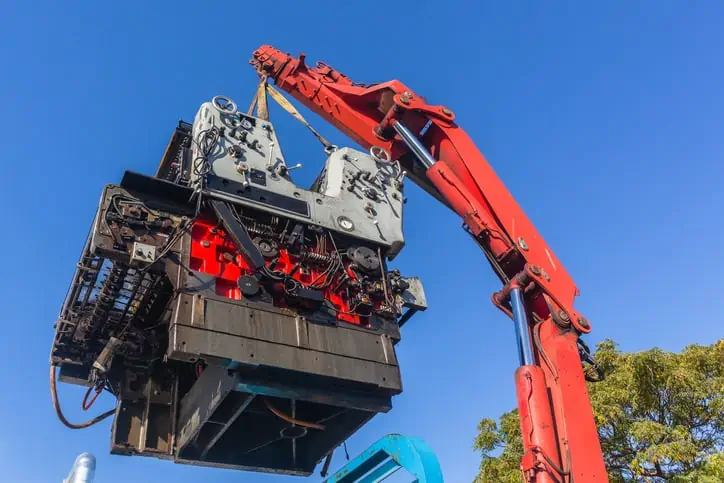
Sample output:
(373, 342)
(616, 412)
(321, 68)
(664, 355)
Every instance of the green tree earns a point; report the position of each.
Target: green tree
(660, 417)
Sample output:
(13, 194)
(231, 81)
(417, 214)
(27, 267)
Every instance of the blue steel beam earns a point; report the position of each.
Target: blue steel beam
(387, 456)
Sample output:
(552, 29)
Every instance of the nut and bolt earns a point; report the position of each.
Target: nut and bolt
(205, 243)
(522, 244)
(583, 323)
(447, 111)
(535, 270)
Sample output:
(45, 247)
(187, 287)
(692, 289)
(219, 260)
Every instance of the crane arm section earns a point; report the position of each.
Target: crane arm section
(559, 433)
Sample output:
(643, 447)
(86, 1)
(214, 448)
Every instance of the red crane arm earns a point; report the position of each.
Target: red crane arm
(559, 432)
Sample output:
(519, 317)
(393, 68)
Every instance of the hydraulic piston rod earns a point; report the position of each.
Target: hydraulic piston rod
(522, 329)
(414, 144)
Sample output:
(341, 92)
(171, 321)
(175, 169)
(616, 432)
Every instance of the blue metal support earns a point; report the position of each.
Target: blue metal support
(387, 456)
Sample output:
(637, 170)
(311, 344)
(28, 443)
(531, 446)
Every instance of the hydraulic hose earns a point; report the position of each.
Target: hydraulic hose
(59, 412)
(289, 419)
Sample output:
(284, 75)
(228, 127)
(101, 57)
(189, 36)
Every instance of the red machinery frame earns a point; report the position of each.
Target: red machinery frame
(559, 432)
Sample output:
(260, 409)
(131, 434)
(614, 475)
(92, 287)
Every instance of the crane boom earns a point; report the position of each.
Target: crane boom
(559, 433)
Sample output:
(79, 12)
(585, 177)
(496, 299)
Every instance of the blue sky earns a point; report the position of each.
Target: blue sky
(604, 120)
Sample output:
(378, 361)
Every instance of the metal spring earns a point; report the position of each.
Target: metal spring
(107, 297)
(312, 257)
(256, 228)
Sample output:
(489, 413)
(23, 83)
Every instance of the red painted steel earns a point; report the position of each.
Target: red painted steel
(213, 253)
(465, 179)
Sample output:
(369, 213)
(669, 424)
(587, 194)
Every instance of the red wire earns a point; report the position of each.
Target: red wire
(86, 405)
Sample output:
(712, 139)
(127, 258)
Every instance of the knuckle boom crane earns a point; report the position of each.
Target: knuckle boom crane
(559, 432)
(241, 321)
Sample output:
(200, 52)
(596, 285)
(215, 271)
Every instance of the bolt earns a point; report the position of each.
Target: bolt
(205, 243)
(234, 151)
(404, 100)
(583, 323)
(534, 270)
(447, 111)
(563, 316)
(522, 244)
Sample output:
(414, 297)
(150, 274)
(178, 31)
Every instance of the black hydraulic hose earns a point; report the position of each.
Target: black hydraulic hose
(59, 412)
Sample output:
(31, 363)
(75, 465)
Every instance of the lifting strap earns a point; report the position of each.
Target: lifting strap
(260, 102)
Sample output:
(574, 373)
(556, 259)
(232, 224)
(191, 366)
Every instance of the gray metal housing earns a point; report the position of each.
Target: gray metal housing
(354, 194)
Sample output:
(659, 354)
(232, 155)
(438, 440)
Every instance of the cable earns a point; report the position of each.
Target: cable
(542, 352)
(289, 419)
(170, 243)
(59, 412)
(552, 464)
(86, 404)
(327, 462)
(208, 139)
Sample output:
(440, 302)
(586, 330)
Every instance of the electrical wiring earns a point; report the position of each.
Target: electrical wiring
(331, 272)
(170, 243)
(59, 412)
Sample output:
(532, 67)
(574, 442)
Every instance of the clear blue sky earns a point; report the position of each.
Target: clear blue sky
(606, 121)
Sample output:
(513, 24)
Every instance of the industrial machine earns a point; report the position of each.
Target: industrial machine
(240, 320)
(244, 322)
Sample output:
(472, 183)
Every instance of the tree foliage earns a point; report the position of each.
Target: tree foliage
(660, 417)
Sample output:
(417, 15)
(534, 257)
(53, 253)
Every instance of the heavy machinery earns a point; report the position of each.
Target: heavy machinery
(244, 322)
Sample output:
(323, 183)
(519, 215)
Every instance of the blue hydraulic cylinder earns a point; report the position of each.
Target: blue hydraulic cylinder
(522, 328)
